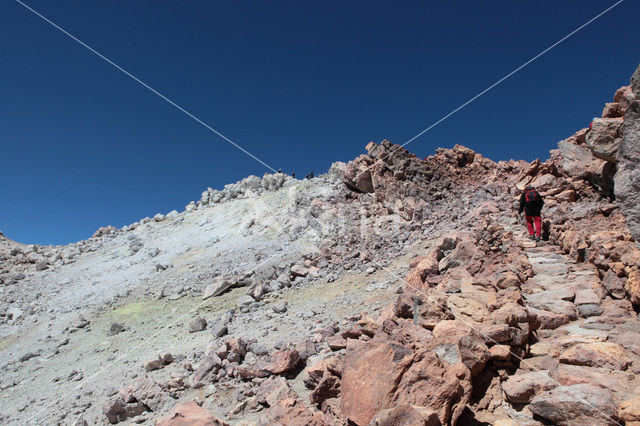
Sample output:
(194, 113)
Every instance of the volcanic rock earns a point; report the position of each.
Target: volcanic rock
(576, 404)
(190, 413)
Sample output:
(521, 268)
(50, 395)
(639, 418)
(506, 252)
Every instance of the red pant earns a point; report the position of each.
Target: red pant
(538, 223)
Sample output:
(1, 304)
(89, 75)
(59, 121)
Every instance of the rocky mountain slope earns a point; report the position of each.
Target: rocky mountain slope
(392, 290)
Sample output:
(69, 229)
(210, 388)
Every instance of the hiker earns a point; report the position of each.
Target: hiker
(309, 175)
(531, 202)
(591, 125)
(293, 175)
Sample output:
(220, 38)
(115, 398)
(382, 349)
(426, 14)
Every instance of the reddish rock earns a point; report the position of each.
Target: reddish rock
(251, 372)
(190, 414)
(351, 333)
(577, 404)
(273, 390)
(464, 253)
(495, 333)
(368, 326)
(612, 110)
(306, 349)
(624, 96)
(613, 284)
(358, 180)
(600, 354)
(632, 286)
(615, 381)
(283, 361)
(381, 374)
(145, 391)
(336, 342)
(461, 306)
(474, 354)
(547, 320)
(500, 352)
(313, 373)
(237, 349)
(207, 369)
(428, 265)
(328, 387)
(507, 279)
(299, 271)
(579, 162)
(291, 412)
(605, 137)
(406, 415)
(521, 388)
(511, 314)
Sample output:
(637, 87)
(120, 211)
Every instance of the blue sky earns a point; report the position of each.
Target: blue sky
(299, 84)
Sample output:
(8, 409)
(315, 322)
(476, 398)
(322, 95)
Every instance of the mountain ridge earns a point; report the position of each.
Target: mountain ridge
(252, 301)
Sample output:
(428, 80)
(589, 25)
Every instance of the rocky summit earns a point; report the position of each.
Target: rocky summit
(391, 290)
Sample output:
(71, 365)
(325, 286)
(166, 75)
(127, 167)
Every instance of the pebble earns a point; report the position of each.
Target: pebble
(280, 307)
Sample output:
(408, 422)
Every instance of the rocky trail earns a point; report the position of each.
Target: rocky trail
(391, 290)
(580, 347)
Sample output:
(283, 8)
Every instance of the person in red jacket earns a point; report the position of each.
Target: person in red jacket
(531, 203)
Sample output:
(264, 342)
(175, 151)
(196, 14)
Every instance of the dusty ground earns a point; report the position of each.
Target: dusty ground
(57, 367)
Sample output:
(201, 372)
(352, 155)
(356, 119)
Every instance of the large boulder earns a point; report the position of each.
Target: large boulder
(576, 404)
(579, 162)
(398, 367)
(283, 361)
(358, 179)
(520, 388)
(605, 137)
(627, 178)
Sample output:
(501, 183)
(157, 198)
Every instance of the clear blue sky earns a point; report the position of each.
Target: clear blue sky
(299, 84)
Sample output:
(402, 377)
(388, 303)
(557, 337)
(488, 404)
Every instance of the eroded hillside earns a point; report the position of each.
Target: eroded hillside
(393, 290)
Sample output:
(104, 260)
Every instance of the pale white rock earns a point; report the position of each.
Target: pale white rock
(245, 300)
(251, 183)
(336, 171)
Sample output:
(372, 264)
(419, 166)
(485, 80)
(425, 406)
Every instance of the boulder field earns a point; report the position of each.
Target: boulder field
(392, 290)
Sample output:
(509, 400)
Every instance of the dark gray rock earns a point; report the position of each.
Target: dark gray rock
(115, 329)
(613, 284)
(197, 324)
(627, 178)
(589, 310)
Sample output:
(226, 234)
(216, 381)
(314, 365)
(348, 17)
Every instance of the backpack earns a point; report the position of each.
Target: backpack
(531, 197)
